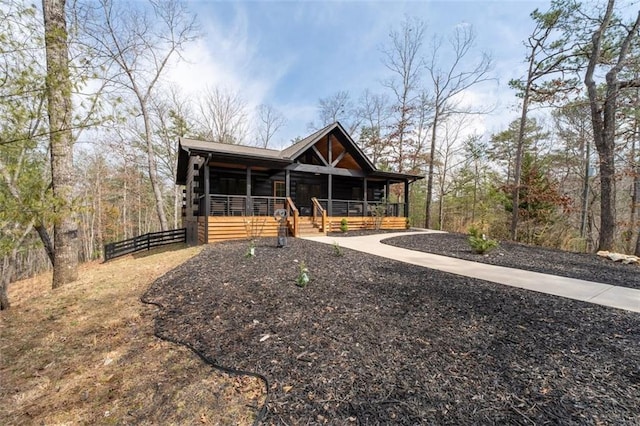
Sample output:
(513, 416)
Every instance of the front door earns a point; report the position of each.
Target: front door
(304, 193)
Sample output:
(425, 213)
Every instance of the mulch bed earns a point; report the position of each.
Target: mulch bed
(584, 266)
(372, 341)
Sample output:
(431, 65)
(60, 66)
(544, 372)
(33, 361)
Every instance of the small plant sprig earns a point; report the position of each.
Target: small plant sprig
(337, 250)
(251, 250)
(344, 224)
(303, 275)
(479, 241)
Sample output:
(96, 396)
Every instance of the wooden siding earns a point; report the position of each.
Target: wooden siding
(237, 228)
(366, 223)
(223, 228)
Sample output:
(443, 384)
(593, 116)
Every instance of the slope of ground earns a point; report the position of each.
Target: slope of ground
(86, 354)
(373, 341)
(584, 266)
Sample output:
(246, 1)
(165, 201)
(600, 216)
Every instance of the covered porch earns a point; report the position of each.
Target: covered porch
(233, 191)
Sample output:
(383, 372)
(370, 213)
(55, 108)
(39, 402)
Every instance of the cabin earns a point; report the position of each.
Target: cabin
(309, 188)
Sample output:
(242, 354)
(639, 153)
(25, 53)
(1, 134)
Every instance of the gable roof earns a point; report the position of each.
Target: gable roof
(275, 158)
(302, 146)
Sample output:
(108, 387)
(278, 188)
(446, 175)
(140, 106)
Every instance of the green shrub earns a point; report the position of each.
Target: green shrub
(303, 275)
(337, 250)
(479, 241)
(344, 224)
(251, 250)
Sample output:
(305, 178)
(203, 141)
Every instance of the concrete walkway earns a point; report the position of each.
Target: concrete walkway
(587, 291)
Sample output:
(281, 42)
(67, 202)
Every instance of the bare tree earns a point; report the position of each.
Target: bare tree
(604, 109)
(448, 151)
(270, 120)
(140, 43)
(374, 113)
(402, 58)
(172, 117)
(223, 116)
(339, 107)
(447, 83)
(60, 111)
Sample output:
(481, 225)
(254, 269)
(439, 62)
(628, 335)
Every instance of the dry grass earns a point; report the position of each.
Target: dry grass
(86, 354)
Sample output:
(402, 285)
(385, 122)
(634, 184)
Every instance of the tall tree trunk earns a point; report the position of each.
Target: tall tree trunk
(60, 109)
(517, 172)
(586, 147)
(153, 167)
(432, 159)
(603, 119)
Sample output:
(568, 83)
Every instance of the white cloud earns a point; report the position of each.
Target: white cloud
(226, 56)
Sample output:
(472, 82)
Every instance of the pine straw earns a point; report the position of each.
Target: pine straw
(86, 354)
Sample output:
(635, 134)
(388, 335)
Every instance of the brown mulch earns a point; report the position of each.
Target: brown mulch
(372, 341)
(584, 266)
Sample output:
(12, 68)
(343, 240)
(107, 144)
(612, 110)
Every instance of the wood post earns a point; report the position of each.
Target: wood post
(207, 202)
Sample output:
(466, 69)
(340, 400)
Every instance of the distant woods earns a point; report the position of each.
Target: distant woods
(89, 123)
(565, 173)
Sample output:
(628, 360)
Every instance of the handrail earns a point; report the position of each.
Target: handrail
(291, 207)
(317, 208)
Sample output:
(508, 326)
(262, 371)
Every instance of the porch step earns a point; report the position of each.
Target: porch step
(307, 228)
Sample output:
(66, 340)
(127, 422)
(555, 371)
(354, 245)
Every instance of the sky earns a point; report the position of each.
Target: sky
(290, 54)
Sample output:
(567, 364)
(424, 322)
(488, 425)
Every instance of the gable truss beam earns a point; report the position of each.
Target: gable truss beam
(326, 163)
(325, 170)
(340, 157)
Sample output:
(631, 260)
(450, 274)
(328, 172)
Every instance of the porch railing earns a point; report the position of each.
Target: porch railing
(356, 208)
(241, 205)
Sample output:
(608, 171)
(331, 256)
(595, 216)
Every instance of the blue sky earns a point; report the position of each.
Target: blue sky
(292, 53)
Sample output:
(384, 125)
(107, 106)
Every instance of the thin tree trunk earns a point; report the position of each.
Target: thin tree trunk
(65, 229)
(432, 157)
(517, 172)
(585, 187)
(46, 242)
(153, 168)
(8, 270)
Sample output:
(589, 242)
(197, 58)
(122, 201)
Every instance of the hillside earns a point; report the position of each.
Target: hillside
(86, 354)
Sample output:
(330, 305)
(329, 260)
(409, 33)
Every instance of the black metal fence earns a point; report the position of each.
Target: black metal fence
(144, 242)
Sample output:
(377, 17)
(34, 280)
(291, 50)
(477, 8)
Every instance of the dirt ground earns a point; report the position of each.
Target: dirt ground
(584, 266)
(372, 341)
(86, 354)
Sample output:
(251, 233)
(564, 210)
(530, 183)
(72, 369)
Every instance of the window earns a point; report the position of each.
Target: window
(279, 189)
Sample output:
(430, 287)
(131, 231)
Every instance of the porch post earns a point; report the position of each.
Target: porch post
(387, 196)
(365, 207)
(248, 204)
(330, 195)
(207, 203)
(406, 198)
(287, 183)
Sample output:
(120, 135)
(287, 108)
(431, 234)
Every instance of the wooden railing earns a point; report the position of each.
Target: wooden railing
(292, 212)
(144, 242)
(319, 214)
